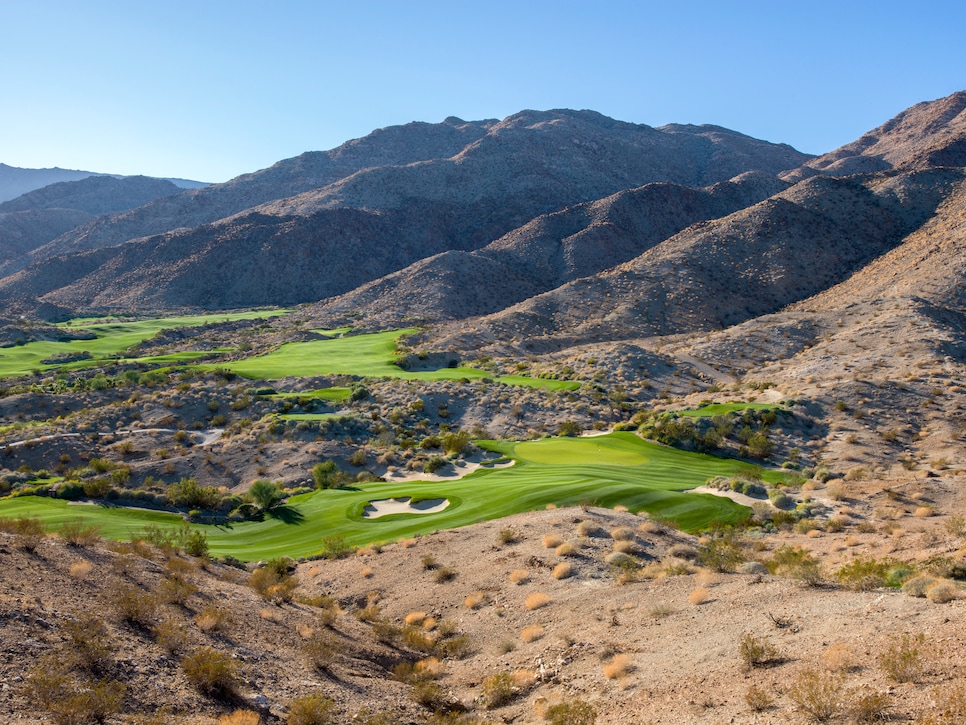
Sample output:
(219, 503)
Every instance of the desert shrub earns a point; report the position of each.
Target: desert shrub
(552, 541)
(189, 494)
(89, 643)
(589, 528)
(941, 592)
(240, 717)
(817, 694)
(757, 651)
(311, 710)
(170, 634)
(28, 530)
(863, 573)
(507, 536)
(134, 605)
(796, 563)
(321, 650)
(273, 583)
(574, 712)
(698, 596)
(870, 707)
(213, 619)
(838, 658)
(537, 600)
(904, 658)
(78, 533)
(428, 694)
(567, 548)
(563, 570)
(497, 690)
(520, 576)
(211, 672)
(618, 666)
(722, 553)
(70, 702)
(175, 590)
(474, 600)
(758, 699)
(532, 633)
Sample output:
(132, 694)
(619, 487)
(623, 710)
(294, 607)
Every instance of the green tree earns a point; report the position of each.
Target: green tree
(265, 494)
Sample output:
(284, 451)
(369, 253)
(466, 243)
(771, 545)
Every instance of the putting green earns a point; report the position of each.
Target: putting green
(362, 355)
(708, 411)
(617, 468)
(112, 339)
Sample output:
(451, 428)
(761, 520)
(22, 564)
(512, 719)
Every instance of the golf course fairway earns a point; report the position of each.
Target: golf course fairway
(606, 470)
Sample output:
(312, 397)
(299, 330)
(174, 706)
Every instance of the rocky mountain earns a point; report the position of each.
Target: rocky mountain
(15, 181)
(35, 218)
(377, 205)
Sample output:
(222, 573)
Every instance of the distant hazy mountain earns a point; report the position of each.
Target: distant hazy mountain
(16, 181)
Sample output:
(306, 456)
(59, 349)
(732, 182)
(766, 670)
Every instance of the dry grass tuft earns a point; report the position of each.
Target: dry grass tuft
(240, 717)
(563, 570)
(942, 591)
(698, 596)
(589, 528)
(552, 541)
(537, 600)
(532, 633)
(80, 569)
(366, 572)
(622, 533)
(619, 666)
(519, 576)
(475, 600)
(566, 549)
(415, 618)
(839, 657)
(924, 512)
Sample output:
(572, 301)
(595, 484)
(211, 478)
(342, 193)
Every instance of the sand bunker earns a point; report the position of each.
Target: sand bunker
(386, 506)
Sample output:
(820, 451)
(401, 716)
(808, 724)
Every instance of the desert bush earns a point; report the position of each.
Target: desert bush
(796, 563)
(563, 570)
(321, 650)
(273, 582)
(916, 586)
(89, 643)
(78, 533)
(618, 666)
(817, 694)
(170, 634)
(574, 712)
(863, 573)
(757, 651)
(80, 569)
(537, 600)
(552, 541)
(213, 619)
(475, 600)
(589, 528)
(175, 590)
(758, 699)
(941, 592)
(311, 710)
(870, 707)
(211, 672)
(414, 619)
(70, 702)
(567, 548)
(904, 658)
(520, 576)
(240, 717)
(28, 530)
(698, 596)
(444, 574)
(532, 633)
(497, 690)
(507, 536)
(134, 605)
(430, 695)
(622, 533)
(839, 658)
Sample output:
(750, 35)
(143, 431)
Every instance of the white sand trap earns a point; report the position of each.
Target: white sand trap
(386, 506)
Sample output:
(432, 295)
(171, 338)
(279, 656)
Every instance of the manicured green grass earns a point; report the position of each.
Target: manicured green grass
(112, 339)
(617, 468)
(363, 355)
(332, 395)
(713, 409)
(312, 416)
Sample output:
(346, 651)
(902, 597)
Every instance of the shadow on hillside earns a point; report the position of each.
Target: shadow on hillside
(286, 514)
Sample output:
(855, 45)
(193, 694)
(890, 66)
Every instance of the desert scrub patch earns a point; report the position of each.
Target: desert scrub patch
(311, 709)
(89, 642)
(133, 605)
(78, 533)
(532, 633)
(212, 673)
(757, 651)
(758, 699)
(170, 635)
(839, 657)
(568, 548)
(563, 570)
(537, 600)
(414, 619)
(589, 528)
(475, 600)
(213, 619)
(497, 690)
(699, 596)
(444, 574)
(80, 569)
(507, 536)
(622, 533)
(552, 541)
(903, 659)
(619, 666)
(520, 576)
(863, 573)
(240, 717)
(819, 695)
(942, 591)
(869, 707)
(572, 712)
(322, 650)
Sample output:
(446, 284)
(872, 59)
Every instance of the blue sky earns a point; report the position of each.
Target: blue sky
(209, 89)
